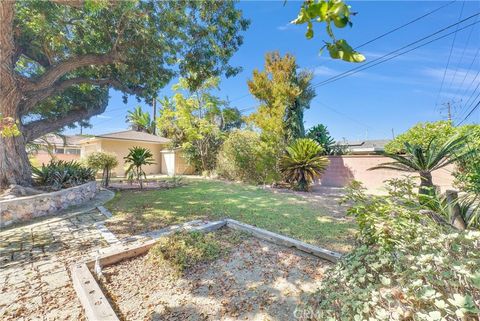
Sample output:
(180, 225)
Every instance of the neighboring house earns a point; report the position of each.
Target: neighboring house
(59, 147)
(366, 147)
(167, 161)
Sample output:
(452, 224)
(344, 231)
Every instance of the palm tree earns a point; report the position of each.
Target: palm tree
(140, 121)
(425, 160)
(138, 157)
(302, 163)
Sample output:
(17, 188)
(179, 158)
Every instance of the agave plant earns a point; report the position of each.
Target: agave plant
(138, 157)
(62, 174)
(426, 160)
(302, 163)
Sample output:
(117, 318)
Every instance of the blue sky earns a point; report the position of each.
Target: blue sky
(370, 104)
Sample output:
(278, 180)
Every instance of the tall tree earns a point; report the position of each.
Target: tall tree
(58, 60)
(284, 93)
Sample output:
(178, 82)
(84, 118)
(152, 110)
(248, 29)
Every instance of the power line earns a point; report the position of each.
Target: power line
(467, 103)
(462, 55)
(473, 93)
(471, 111)
(468, 71)
(382, 35)
(379, 60)
(450, 54)
(404, 25)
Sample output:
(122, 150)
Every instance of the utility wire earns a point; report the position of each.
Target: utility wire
(379, 60)
(467, 103)
(404, 25)
(383, 34)
(471, 111)
(462, 55)
(463, 109)
(450, 54)
(466, 74)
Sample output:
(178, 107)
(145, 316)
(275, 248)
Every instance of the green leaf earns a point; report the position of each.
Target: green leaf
(342, 50)
(309, 33)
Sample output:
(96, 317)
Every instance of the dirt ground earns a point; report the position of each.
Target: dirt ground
(255, 280)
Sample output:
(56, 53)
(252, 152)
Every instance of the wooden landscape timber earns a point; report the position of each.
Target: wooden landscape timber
(96, 304)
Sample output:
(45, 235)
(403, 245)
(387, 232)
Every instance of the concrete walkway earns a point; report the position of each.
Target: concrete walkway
(34, 262)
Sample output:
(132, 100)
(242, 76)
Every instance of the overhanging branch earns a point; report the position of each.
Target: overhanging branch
(56, 71)
(41, 127)
(37, 96)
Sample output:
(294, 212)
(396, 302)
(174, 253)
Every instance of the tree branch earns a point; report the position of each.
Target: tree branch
(38, 128)
(36, 97)
(60, 69)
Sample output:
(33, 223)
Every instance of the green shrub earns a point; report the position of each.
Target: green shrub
(246, 158)
(60, 174)
(434, 276)
(407, 267)
(101, 161)
(302, 163)
(184, 250)
(421, 135)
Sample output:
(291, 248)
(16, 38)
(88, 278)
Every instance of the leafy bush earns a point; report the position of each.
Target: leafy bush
(138, 157)
(408, 267)
(421, 135)
(183, 250)
(435, 276)
(60, 174)
(243, 158)
(101, 161)
(302, 163)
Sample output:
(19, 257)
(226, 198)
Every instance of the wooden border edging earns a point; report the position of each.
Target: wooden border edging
(93, 300)
(96, 304)
(284, 240)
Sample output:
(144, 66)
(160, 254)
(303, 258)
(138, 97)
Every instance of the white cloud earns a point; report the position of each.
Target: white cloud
(325, 71)
(285, 27)
(454, 78)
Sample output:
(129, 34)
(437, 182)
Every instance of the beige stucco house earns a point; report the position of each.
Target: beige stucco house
(167, 161)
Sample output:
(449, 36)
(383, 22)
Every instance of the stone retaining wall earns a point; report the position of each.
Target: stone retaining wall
(28, 207)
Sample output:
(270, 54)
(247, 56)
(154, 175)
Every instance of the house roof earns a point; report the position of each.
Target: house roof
(59, 141)
(133, 135)
(366, 146)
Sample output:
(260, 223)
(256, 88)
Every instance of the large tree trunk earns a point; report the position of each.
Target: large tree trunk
(14, 164)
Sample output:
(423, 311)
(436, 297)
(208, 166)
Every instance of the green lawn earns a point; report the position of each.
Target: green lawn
(291, 215)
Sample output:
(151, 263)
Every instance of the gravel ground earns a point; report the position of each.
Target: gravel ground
(256, 280)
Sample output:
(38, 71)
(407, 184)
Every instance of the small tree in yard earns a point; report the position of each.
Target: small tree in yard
(425, 160)
(302, 163)
(321, 135)
(138, 157)
(104, 162)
